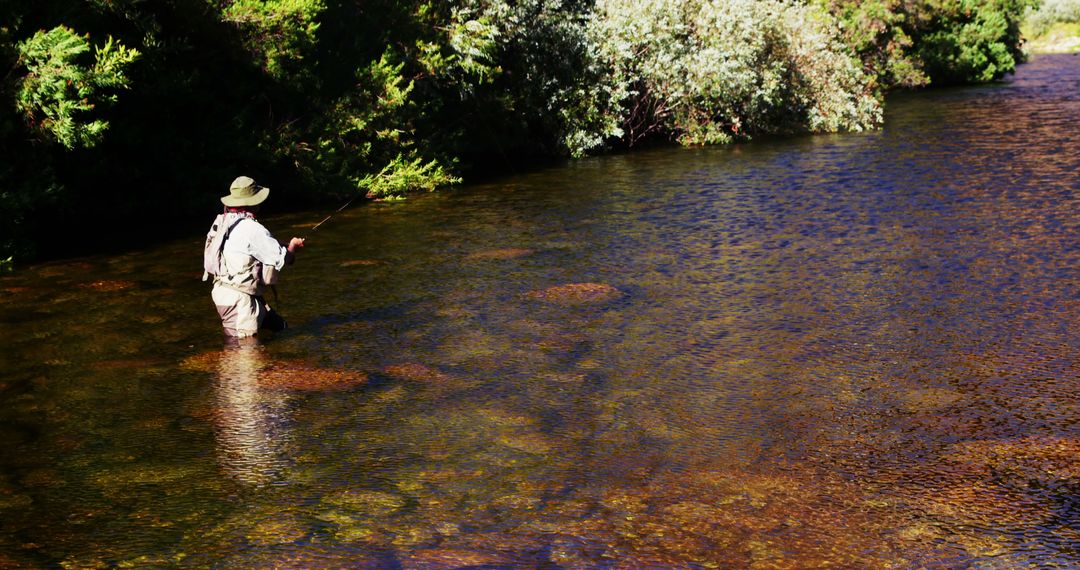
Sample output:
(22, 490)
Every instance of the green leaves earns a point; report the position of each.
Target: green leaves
(361, 123)
(474, 43)
(281, 34)
(405, 174)
(912, 43)
(1044, 15)
(962, 41)
(61, 88)
(712, 71)
(874, 30)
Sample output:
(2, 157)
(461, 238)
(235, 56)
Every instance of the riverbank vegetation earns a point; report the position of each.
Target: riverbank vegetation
(1053, 27)
(121, 118)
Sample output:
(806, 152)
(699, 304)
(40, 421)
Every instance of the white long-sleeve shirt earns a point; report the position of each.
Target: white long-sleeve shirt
(247, 250)
(251, 238)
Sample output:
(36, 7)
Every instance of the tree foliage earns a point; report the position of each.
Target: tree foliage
(963, 41)
(1040, 18)
(59, 92)
(875, 31)
(280, 35)
(712, 71)
(105, 99)
(915, 43)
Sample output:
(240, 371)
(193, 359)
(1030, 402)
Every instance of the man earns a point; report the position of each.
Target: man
(249, 258)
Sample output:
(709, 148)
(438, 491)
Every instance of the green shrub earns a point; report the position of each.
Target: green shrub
(712, 71)
(404, 175)
(964, 41)
(547, 86)
(366, 128)
(875, 32)
(1039, 19)
(913, 43)
(280, 34)
(62, 88)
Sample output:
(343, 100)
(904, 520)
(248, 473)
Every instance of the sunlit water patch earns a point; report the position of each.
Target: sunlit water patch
(853, 351)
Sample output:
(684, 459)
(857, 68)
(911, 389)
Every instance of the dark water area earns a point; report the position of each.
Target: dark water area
(843, 351)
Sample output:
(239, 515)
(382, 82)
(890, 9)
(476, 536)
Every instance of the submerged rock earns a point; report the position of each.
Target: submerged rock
(108, 286)
(505, 418)
(449, 559)
(65, 269)
(274, 374)
(15, 502)
(719, 517)
(495, 254)
(202, 362)
(576, 294)
(144, 473)
(929, 399)
(364, 502)
(277, 530)
(1048, 460)
(127, 363)
(417, 373)
(305, 557)
(573, 378)
(359, 263)
(306, 378)
(531, 443)
(971, 502)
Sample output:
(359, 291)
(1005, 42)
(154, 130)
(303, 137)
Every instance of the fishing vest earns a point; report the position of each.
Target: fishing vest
(238, 271)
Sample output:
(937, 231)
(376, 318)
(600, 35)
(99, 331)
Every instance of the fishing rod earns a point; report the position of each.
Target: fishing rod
(273, 286)
(324, 220)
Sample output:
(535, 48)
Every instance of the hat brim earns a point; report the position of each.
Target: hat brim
(253, 200)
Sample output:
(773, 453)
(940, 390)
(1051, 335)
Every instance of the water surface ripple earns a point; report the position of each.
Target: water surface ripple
(849, 351)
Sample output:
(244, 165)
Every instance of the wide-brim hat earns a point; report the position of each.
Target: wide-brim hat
(245, 192)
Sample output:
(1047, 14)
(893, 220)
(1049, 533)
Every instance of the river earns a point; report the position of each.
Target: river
(845, 351)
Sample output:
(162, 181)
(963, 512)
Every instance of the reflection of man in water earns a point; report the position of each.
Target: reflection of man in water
(251, 421)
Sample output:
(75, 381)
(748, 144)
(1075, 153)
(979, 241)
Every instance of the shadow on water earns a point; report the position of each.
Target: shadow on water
(853, 351)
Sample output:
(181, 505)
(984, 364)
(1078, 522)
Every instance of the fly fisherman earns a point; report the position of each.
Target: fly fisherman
(244, 259)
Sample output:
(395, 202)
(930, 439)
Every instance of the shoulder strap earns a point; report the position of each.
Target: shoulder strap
(229, 231)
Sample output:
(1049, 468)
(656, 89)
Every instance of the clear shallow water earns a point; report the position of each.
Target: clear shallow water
(833, 351)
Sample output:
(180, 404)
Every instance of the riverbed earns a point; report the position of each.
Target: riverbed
(843, 351)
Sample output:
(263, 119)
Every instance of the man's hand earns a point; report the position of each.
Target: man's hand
(295, 244)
